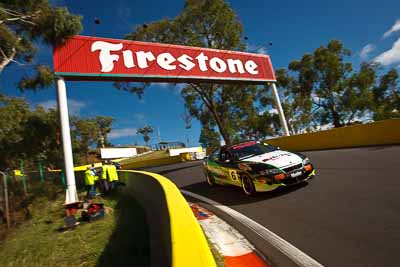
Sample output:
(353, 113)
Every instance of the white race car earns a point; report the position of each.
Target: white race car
(256, 167)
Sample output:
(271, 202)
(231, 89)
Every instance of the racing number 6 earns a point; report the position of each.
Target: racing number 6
(233, 174)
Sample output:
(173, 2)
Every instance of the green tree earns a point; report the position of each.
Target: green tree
(297, 109)
(22, 24)
(29, 134)
(323, 88)
(104, 124)
(211, 24)
(387, 96)
(87, 133)
(209, 138)
(13, 116)
(145, 131)
(42, 137)
(34, 134)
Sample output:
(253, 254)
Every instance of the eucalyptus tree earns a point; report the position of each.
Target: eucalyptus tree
(145, 131)
(26, 23)
(210, 24)
(104, 124)
(322, 87)
(387, 96)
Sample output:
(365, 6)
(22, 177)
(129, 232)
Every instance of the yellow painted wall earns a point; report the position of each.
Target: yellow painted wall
(385, 132)
(189, 245)
(152, 162)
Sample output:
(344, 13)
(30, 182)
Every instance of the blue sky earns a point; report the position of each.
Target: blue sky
(366, 27)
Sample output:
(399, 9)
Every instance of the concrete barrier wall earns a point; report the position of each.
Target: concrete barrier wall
(176, 238)
(385, 132)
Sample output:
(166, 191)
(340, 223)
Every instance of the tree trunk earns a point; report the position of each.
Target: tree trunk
(7, 60)
(336, 117)
(207, 100)
(222, 130)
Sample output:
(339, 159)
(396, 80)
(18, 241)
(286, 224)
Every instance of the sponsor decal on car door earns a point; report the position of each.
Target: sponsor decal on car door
(216, 170)
(231, 175)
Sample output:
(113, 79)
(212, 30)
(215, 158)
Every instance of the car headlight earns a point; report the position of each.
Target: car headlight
(269, 171)
(306, 161)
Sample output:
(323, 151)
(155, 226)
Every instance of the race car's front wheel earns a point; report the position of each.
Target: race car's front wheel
(248, 185)
(210, 179)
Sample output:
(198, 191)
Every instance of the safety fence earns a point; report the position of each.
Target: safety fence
(21, 188)
(385, 132)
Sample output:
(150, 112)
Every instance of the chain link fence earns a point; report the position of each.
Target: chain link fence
(24, 187)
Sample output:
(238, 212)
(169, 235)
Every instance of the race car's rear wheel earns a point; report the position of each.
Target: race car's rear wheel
(210, 179)
(248, 185)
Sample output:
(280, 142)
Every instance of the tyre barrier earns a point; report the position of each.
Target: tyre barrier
(386, 132)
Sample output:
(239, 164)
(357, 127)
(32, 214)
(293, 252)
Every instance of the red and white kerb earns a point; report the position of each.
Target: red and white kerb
(236, 250)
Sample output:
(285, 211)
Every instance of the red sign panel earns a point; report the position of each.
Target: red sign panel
(92, 58)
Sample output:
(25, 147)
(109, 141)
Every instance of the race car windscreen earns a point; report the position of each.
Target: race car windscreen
(251, 149)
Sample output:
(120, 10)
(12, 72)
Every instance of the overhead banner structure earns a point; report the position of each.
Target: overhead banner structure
(84, 58)
(93, 58)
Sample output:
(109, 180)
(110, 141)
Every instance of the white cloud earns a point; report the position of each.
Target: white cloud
(324, 127)
(251, 47)
(390, 56)
(123, 132)
(48, 104)
(262, 50)
(366, 50)
(259, 49)
(395, 28)
(139, 118)
(74, 106)
(273, 111)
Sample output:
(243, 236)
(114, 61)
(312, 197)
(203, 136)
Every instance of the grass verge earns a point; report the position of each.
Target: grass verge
(40, 241)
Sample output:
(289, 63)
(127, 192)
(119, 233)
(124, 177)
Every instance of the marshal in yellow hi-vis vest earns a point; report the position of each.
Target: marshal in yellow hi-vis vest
(104, 170)
(89, 177)
(17, 173)
(112, 173)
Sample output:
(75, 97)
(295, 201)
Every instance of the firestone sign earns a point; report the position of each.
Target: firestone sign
(92, 58)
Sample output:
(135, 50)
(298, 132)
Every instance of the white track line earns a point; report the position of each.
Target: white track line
(279, 243)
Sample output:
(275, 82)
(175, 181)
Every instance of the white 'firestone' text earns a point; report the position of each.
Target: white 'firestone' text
(168, 61)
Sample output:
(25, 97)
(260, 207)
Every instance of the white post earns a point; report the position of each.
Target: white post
(159, 135)
(71, 194)
(280, 110)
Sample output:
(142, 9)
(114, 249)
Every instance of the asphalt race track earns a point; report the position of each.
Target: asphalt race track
(348, 215)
